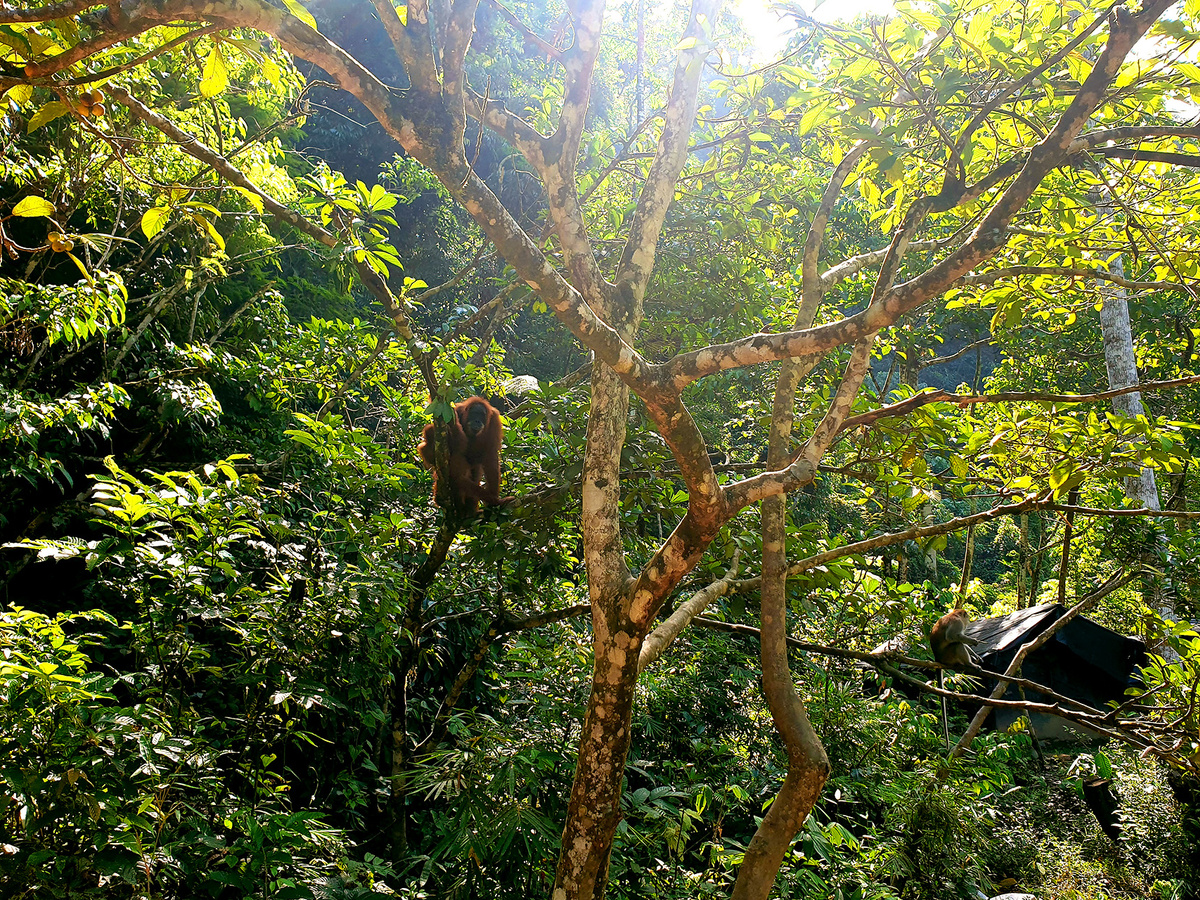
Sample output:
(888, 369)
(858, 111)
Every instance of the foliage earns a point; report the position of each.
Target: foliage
(224, 672)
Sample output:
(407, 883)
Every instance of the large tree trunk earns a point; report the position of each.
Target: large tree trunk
(595, 804)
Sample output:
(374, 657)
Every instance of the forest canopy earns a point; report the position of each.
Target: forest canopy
(528, 448)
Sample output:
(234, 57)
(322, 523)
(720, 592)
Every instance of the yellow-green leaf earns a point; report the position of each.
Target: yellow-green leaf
(48, 113)
(959, 466)
(31, 207)
(252, 198)
(20, 94)
(1190, 70)
(211, 229)
(15, 50)
(270, 71)
(813, 116)
(216, 76)
(154, 220)
(82, 268)
(301, 13)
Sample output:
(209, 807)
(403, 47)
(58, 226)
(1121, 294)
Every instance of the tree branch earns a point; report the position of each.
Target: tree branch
(987, 239)
(662, 637)
(658, 191)
(401, 321)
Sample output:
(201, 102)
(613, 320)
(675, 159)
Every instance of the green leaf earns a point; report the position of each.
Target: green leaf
(216, 75)
(301, 13)
(252, 198)
(31, 207)
(154, 220)
(813, 116)
(82, 268)
(959, 466)
(270, 71)
(48, 113)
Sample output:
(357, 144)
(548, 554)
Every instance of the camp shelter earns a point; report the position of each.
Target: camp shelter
(1083, 660)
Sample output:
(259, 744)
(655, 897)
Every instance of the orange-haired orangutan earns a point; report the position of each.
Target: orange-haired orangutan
(474, 436)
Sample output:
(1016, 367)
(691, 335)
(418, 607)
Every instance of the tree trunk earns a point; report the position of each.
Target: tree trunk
(1121, 363)
(595, 805)
(1022, 560)
(397, 815)
(968, 556)
(808, 766)
(1068, 533)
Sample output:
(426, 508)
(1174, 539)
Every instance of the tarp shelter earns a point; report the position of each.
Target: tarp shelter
(1083, 660)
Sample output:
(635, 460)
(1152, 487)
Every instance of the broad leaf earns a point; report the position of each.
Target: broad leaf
(31, 207)
(48, 113)
(154, 220)
(216, 75)
(301, 13)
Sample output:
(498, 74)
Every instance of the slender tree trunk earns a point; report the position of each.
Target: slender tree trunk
(639, 85)
(398, 802)
(1068, 534)
(807, 764)
(1022, 560)
(1121, 364)
(968, 556)
(930, 552)
(1035, 575)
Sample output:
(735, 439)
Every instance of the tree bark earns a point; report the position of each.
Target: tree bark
(1120, 361)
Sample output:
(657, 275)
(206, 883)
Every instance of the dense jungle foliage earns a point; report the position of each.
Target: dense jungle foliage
(243, 653)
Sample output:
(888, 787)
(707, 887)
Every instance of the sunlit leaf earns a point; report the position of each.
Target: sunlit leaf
(301, 13)
(48, 113)
(154, 220)
(20, 94)
(31, 207)
(216, 75)
(79, 265)
(211, 229)
(252, 198)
